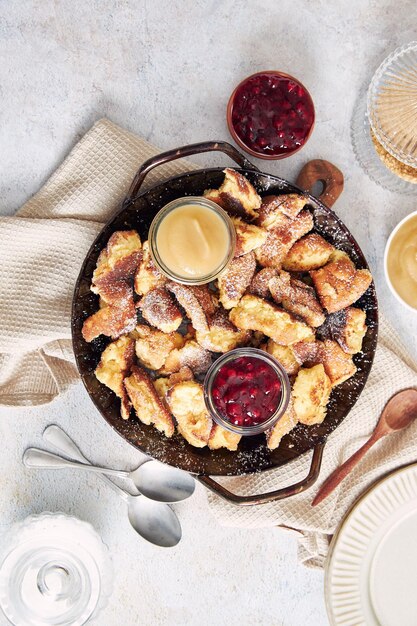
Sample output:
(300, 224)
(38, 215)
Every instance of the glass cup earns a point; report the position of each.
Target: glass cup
(280, 373)
(54, 571)
(188, 201)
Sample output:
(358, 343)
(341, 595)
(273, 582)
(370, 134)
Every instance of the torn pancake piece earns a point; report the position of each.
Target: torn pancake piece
(236, 195)
(146, 402)
(159, 309)
(222, 438)
(191, 355)
(281, 238)
(115, 364)
(147, 276)
(222, 335)
(186, 401)
(116, 266)
(311, 392)
(339, 284)
(253, 313)
(235, 279)
(308, 253)
(111, 321)
(153, 346)
(282, 427)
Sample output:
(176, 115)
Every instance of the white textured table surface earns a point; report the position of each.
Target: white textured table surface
(165, 70)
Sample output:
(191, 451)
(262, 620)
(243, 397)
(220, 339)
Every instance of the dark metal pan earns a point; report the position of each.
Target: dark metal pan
(137, 211)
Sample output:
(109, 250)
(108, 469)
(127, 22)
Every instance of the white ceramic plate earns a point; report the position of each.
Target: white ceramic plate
(371, 571)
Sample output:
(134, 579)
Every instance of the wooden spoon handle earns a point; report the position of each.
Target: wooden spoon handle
(341, 472)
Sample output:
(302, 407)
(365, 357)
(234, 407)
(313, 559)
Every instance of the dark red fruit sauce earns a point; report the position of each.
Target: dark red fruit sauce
(246, 391)
(272, 114)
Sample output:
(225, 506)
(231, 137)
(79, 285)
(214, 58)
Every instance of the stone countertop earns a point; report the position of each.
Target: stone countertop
(165, 70)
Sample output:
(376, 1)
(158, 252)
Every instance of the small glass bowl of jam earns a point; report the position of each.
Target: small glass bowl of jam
(270, 115)
(246, 391)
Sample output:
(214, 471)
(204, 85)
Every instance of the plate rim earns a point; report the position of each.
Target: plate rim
(377, 483)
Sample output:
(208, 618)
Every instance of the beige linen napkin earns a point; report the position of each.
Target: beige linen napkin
(393, 369)
(41, 251)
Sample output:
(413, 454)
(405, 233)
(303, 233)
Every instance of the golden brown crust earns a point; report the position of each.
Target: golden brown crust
(339, 284)
(347, 327)
(163, 384)
(115, 363)
(111, 321)
(186, 401)
(222, 438)
(235, 279)
(282, 237)
(191, 355)
(222, 335)
(153, 346)
(248, 236)
(307, 352)
(259, 285)
(147, 276)
(283, 426)
(188, 298)
(207, 299)
(253, 313)
(285, 355)
(338, 364)
(146, 402)
(116, 266)
(308, 253)
(236, 195)
(297, 298)
(274, 207)
(159, 309)
(310, 392)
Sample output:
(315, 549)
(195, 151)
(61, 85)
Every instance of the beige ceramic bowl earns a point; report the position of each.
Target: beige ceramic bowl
(392, 279)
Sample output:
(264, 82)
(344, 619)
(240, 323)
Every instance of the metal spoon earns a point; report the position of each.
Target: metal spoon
(154, 521)
(399, 412)
(153, 479)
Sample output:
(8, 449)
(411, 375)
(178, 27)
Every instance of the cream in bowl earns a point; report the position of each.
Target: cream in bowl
(400, 262)
(192, 240)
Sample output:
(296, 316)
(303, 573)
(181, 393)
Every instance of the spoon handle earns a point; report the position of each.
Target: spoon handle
(54, 435)
(341, 472)
(34, 457)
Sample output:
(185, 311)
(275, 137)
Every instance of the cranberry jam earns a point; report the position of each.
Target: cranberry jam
(271, 115)
(245, 390)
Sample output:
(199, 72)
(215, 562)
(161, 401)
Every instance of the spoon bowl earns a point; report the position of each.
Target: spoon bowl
(154, 521)
(163, 483)
(400, 411)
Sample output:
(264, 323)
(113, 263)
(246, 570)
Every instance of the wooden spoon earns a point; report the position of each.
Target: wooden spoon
(399, 412)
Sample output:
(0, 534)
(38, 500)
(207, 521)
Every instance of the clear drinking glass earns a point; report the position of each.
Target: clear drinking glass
(387, 109)
(54, 571)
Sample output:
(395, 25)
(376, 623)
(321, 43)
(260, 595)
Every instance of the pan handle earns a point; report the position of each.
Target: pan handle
(325, 173)
(185, 151)
(278, 494)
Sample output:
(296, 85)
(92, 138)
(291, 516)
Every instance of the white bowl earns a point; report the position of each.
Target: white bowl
(409, 217)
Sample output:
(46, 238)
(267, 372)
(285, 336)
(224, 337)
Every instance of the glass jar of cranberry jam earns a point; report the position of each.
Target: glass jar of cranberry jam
(246, 391)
